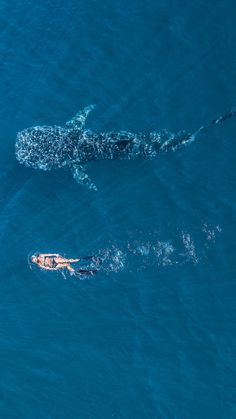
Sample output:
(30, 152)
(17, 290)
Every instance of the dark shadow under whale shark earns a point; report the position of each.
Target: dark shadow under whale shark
(51, 147)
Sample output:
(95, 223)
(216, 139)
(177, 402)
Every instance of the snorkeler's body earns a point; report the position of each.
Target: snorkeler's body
(54, 262)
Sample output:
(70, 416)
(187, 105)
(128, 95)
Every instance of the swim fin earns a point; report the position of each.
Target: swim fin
(86, 272)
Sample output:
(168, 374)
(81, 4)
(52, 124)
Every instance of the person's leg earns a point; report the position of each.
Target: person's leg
(69, 267)
(63, 266)
(82, 258)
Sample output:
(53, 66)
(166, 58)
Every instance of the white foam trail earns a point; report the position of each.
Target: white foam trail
(189, 247)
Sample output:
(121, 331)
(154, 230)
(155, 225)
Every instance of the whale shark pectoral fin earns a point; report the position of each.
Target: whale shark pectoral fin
(78, 121)
(82, 178)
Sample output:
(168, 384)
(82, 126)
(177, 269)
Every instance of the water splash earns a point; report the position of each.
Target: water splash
(211, 233)
(190, 250)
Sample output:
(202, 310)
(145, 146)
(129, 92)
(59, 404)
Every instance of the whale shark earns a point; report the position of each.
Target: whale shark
(73, 146)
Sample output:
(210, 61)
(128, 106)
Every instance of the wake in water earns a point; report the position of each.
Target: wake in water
(54, 147)
(136, 255)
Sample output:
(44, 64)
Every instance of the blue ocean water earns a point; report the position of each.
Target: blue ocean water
(153, 334)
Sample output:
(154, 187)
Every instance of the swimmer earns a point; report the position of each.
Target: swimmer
(54, 262)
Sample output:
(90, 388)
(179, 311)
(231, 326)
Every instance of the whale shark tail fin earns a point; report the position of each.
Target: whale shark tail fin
(81, 177)
(78, 121)
(184, 138)
(205, 128)
(222, 118)
(219, 120)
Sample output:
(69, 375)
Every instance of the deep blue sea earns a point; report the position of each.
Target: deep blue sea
(152, 335)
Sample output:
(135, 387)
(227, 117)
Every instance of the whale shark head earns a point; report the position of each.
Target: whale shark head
(42, 147)
(48, 147)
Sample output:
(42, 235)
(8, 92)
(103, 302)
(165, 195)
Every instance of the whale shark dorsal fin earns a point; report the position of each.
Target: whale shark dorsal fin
(78, 121)
(81, 177)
